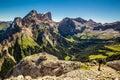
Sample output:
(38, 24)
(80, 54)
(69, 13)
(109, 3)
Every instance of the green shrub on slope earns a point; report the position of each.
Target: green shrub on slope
(6, 66)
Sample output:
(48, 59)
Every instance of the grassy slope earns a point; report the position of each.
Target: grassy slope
(27, 42)
(24, 47)
(108, 52)
(3, 25)
(92, 49)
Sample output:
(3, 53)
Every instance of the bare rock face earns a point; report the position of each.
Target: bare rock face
(43, 64)
(66, 27)
(17, 22)
(33, 18)
(15, 26)
(80, 20)
(47, 16)
(31, 15)
(114, 64)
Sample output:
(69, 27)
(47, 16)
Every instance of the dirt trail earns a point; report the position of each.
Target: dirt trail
(106, 72)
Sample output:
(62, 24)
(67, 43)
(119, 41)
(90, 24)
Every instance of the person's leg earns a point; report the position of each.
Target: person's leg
(99, 67)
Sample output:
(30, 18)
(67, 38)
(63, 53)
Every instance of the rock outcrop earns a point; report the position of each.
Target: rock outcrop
(114, 64)
(43, 64)
(17, 22)
(66, 27)
(80, 20)
(33, 18)
(65, 71)
(47, 16)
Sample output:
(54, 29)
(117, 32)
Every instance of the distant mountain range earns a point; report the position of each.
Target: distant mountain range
(69, 39)
(6, 21)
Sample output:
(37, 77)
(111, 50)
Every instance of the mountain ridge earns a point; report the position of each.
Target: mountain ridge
(70, 39)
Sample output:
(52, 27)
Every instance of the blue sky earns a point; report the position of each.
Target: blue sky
(98, 10)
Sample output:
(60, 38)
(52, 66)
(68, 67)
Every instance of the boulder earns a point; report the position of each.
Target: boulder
(114, 64)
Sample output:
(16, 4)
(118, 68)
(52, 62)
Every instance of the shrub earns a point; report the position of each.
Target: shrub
(67, 58)
(85, 67)
(6, 66)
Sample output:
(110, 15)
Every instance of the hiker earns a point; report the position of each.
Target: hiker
(100, 63)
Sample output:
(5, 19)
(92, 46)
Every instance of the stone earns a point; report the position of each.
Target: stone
(114, 64)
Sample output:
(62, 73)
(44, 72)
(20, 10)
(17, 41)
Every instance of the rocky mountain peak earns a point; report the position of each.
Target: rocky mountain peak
(90, 20)
(31, 16)
(17, 22)
(67, 19)
(32, 13)
(79, 19)
(67, 22)
(66, 27)
(35, 18)
(47, 16)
